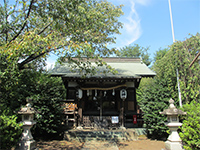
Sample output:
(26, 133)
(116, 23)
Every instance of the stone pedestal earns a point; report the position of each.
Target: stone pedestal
(27, 142)
(173, 145)
(173, 142)
(27, 145)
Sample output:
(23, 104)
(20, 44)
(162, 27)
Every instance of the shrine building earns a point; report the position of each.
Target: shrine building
(104, 100)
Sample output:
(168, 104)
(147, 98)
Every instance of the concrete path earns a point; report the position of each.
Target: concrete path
(100, 145)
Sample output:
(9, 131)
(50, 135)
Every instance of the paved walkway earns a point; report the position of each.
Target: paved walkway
(100, 145)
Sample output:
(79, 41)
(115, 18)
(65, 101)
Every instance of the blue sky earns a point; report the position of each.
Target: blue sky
(147, 23)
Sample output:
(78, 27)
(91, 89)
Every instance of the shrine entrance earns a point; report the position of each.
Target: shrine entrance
(101, 109)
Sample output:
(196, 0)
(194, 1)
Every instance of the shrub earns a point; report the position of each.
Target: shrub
(10, 130)
(47, 94)
(152, 101)
(190, 130)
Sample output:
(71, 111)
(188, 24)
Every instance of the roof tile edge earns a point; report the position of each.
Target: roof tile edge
(113, 59)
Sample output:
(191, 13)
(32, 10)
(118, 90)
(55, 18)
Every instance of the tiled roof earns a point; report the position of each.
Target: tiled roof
(126, 67)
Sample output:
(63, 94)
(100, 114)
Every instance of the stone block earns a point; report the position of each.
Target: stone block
(173, 145)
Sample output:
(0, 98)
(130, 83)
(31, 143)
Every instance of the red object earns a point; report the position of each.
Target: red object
(134, 119)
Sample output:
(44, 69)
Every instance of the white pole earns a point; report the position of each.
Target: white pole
(179, 90)
(172, 26)
(177, 74)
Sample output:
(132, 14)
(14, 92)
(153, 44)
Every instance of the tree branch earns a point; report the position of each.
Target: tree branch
(194, 60)
(45, 28)
(31, 58)
(29, 10)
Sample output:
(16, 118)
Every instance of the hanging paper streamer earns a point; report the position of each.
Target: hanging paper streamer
(113, 93)
(95, 95)
(88, 92)
(104, 93)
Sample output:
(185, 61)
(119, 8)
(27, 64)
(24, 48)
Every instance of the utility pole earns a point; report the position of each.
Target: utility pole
(177, 74)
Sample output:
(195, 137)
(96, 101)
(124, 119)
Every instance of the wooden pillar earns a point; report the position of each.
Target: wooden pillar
(80, 114)
(101, 103)
(135, 101)
(122, 115)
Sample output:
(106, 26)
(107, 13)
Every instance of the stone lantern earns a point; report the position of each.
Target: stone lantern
(27, 142)
(173, 142)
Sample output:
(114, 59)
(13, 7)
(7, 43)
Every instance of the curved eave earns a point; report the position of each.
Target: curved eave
(114, 77)
(102, 77)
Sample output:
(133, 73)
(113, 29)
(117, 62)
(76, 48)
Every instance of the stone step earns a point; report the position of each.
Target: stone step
(101, 135)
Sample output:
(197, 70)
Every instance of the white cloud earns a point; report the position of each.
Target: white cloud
(132, 28)
(142, 2)
(118, 2)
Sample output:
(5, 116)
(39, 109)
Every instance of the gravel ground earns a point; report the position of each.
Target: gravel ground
(144, 144)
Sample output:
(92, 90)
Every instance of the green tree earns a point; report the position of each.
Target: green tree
(184, 53)
(30, 30)
(136, 51)
(160, 54)
(153, 100)
(179, 57)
